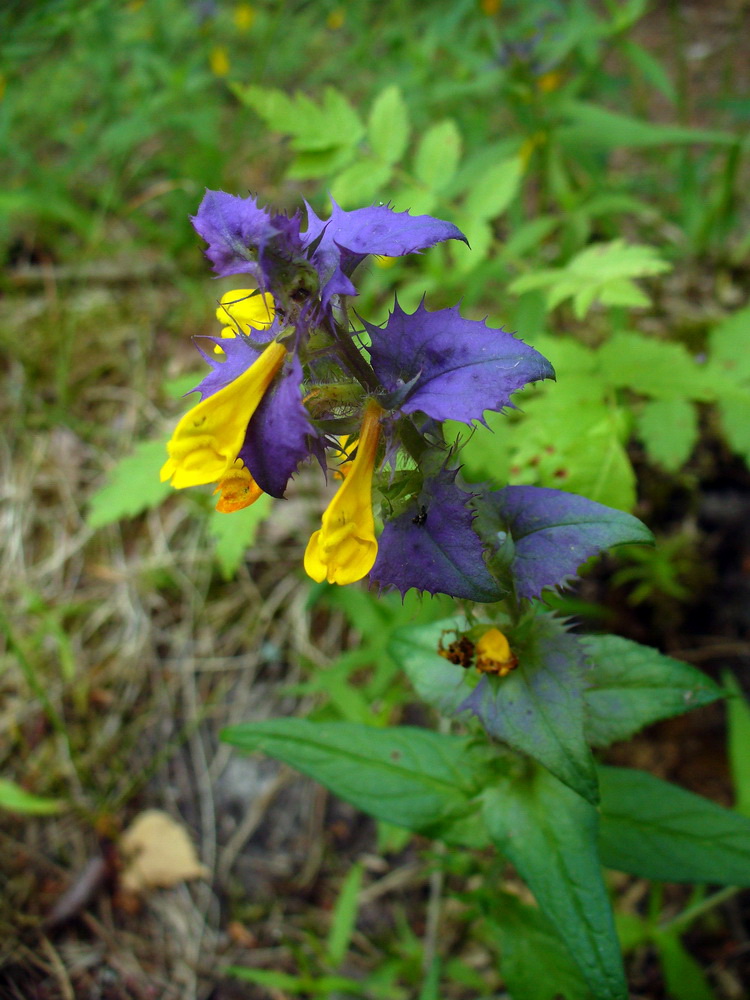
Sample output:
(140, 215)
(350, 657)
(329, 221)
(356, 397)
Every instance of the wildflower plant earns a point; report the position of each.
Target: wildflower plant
(297, 375)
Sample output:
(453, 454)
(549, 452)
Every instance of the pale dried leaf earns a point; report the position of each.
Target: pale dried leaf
(158, 853)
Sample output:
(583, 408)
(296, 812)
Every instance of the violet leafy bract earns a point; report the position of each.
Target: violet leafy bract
(454, 368)
(342, 242)
(244, 238)
(432, 546)
(278, 436)
(301, 387)
(554, 533)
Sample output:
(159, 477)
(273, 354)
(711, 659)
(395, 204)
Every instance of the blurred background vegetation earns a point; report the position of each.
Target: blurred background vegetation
(596, 154)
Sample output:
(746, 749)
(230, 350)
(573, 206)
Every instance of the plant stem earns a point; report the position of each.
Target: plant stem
(706, 905)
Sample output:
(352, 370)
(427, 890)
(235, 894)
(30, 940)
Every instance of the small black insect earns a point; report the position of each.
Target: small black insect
(421, 517)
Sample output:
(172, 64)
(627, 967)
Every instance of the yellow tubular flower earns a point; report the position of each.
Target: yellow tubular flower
(344, 549)
(242, 308)
(207, 440)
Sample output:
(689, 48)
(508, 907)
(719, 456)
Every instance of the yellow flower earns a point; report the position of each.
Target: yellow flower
(335, 19)
(207, 440)
(242, 308)
(494, 655)
(550, 81)
(219, 61)
(243, 16)
(238, 489)
(343, 550)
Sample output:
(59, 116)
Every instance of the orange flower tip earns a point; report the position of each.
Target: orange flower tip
(237, 492)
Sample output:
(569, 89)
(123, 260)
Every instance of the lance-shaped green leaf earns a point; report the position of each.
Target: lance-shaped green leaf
(550, 835)
(628, 686)
(592, 125)
(552, 532)
(654, 829)
(524, 933)
(411, 777)
(538, 708)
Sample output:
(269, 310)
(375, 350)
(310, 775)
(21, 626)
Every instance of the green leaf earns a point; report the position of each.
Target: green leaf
(650, 69)
(734, 412)
(653, 829)
(410, 777)
(600, 128)
(360, 182)
(485, 453)
(728, 346)
(669, 430)
(438, 154)
(683, 976)
(572, 438)
(266, 977)
(304, 985)
(234, 533)
(630, 686)
(652, 367)
(549, 833)
(18, 800)
(133, 485)
(527, 237)
(344, 916)
(182, 385)
(538, 708)
(388, 125)
(495, 189)
(416, 199)
(333, 122)
(480, 235)
(523, 934)
(601, 272)
(320, 162)
(738, 719)
(437, 681)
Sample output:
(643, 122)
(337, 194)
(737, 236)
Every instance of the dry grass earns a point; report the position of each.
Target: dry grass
(123, 656)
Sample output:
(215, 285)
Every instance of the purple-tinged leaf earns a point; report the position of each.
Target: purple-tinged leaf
(432, 546)
(457, 368)
(278, 435)
(555, 532)
(538, 708)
